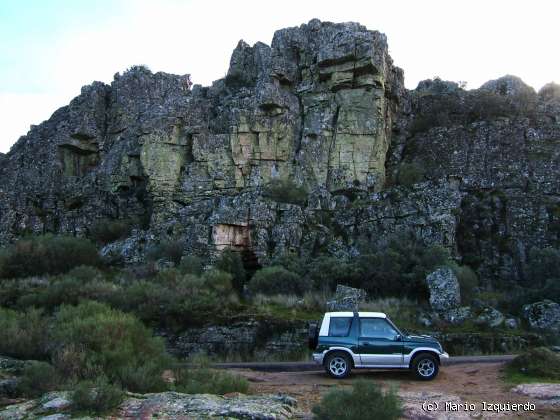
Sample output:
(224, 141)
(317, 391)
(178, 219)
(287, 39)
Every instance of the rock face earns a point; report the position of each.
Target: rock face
(165, 405)
(247, 339)
(490, 317)
(346, 299)
(322, 111)
(544, 316)
(444, 289)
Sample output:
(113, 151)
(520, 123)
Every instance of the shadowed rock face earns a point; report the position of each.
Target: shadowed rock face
(322, 110)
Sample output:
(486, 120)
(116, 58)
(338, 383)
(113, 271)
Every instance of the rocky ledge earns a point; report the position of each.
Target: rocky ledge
(166, 405)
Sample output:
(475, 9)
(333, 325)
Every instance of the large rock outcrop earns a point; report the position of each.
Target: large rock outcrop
(322, 111)
(163, 405)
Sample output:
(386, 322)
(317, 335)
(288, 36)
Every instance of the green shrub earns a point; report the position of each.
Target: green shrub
(176, 300)
(47, 254)
(286, 191)
(410, 174)
(203, 380)
(96, 396)
(543, 265)
(486, 105)
(539, 362)
(326, 272)
(364, 401)
(107, 341)
(107, 230)
(292, 263)
(22, 334)
(400, 268)
(151, 301)
(168, 250)
(209, 381)
(84, 273)
(231, 262)
(191, 265)
(468, 282)
(38, 378)
(69, 290)
(277, 280)
(218, 281)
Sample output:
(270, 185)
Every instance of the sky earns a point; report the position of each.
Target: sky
(50, 48)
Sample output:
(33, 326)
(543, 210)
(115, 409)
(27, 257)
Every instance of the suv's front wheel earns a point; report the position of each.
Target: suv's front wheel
(425, 366)
(338, 365)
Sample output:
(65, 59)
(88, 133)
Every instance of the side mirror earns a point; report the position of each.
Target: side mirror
(398, 337)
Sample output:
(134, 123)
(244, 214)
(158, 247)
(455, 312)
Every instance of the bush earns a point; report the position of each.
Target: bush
(191, 265)
(106, 230)
(102, 340)
(364, 401)
(231, 262)
(69, 290)
(22, 334)
(85, 274)
(97, 396)
(169, 250)
(209, 381)
(47, 254)
(539, 362)
(326, 272)
(292, 263)
(486, 105)
(400, 268)
(176, 300)
(468, 282)
(203, 380)
(286, 191)
(38, 378)
(218, 281)
(410, 174)
(277, 280)
(543, 265)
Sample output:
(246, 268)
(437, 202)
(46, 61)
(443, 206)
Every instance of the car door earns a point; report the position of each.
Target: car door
(379, 343)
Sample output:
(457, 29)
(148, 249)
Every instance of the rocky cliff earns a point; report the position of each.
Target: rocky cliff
(309, 145)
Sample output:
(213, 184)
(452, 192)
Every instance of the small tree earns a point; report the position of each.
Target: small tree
(277, 280)
(231, 262)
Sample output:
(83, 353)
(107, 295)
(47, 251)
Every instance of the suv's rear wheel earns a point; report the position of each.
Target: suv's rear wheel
(338, 365)
(425, 366)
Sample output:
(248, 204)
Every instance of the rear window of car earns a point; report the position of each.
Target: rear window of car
(339, 326)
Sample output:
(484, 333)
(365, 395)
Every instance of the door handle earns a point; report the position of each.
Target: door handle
(366, 343)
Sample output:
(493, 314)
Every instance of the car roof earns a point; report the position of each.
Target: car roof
(360, 314)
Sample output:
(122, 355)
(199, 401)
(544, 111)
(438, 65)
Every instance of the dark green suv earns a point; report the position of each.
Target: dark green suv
(347, 340)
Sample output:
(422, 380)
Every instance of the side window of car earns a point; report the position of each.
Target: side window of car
(339, 326)
(377, 328)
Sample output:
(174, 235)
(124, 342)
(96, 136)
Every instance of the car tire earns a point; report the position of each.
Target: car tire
(425, 366)
(338, 365)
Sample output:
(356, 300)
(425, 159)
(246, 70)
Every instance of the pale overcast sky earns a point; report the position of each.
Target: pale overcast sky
(50, 48)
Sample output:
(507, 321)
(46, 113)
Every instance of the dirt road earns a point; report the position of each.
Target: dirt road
(473, 383)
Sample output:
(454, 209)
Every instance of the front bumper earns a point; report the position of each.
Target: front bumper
(318, 358)
(444, 355)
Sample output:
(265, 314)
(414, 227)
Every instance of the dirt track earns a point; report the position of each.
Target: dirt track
(473, 383)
